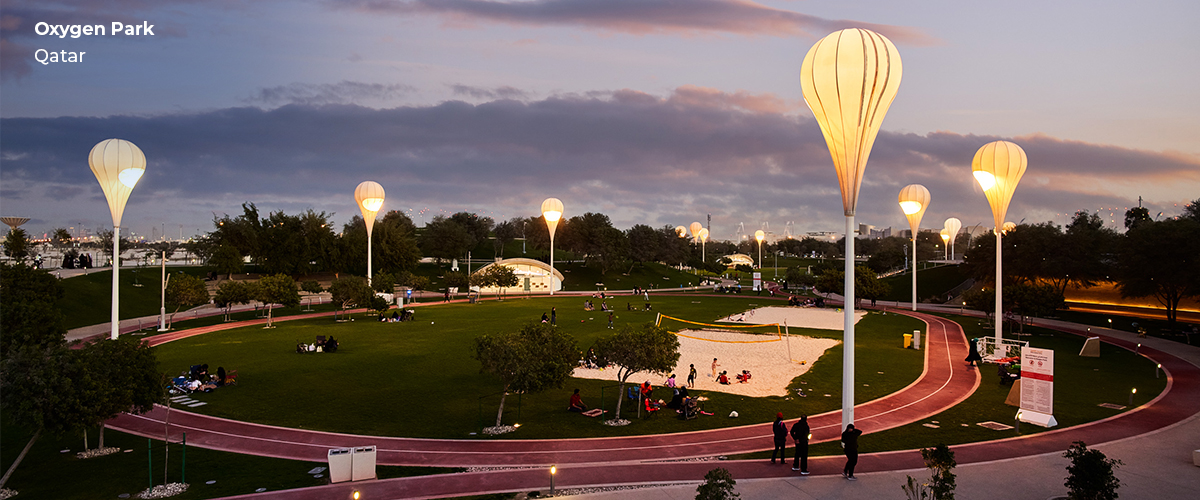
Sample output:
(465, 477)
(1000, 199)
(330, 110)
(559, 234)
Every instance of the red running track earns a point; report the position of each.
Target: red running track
(940, 386)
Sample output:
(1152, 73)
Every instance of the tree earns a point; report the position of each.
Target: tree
(477, 227)
(1032, 299)
(533, 359)
(231, 293)
(278, 289)
(312, 288)
(496, 276)
(42, 388)
(1090, 475)
(244, 232)
(126, 379)
(445, 239)
(60, 238)
(457, 279)
(383, 283)
(351, 291)
(29, 315)
(1160, 259)
(718, 485)
(983, 300)
(395, 244)
(505, 232)
(644, 243)
(226, 259)
(16, 245)
(638, 349)
(866, 283)
(940, 461)
(593, 236)
(1192, 210)
(185, 290)
(1085, 256)
(417, 282)
(1136, 216)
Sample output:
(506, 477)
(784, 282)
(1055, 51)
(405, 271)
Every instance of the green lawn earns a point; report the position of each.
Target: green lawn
(87, 299)
(1081, 384)
(1154, 327)
(418, 379)
(48, 473)
(934, 282)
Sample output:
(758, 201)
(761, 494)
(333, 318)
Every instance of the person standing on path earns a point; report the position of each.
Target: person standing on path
(553, 316)
(781, 432)
(691, 375)
(850, 443)
(800, 433)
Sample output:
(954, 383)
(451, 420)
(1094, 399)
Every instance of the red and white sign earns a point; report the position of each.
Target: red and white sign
(1037, 380)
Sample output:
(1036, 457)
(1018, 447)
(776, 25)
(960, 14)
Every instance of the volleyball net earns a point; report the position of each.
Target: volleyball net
(696, 329)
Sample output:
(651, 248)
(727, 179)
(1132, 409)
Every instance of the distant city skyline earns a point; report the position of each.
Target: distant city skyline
(650, 111)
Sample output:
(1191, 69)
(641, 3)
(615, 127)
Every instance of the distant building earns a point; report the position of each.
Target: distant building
(739, 258)
(532, 276)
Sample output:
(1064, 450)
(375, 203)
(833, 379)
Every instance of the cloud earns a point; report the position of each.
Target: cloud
(502, 92)
(639, 157)
(638, 17)
(344, 92)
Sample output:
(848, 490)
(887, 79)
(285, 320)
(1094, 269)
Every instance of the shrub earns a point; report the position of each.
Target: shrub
(718, 485)
(940, 461)
(1090, 475)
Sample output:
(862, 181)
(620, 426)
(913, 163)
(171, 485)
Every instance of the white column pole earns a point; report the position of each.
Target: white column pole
(999, 319)
(369, 274)
(848, 325)
(162, 310)
(116, 320)
(551, 263)
(914, 270)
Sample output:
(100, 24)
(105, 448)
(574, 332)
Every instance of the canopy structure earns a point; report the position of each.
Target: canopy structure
(532, 276)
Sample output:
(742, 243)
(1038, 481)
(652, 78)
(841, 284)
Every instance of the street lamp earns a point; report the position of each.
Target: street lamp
(945, 234)
(914, 199)
(369, 195)
(849, 79)
(759, 235)
(703, 240)
(117, 164)
(695, 227)
(681, 231)
(998, 167)
(952, 226)
(552, 211)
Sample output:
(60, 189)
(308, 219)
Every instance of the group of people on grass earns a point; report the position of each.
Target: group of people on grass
(800, 301)
(320, 345)
(197, 378)
(397, 316)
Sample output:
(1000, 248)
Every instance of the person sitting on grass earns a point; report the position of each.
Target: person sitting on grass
(723, 379)
(577, 405)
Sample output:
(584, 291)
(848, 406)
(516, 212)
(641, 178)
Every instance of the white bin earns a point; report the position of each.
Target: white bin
(917, 339)
(363, 463)
(340, 465)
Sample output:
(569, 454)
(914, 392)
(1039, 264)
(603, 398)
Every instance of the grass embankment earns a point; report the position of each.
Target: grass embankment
(1153, 327)
(933, 282)
(42, 472)
(418, 379)
(1080, 385)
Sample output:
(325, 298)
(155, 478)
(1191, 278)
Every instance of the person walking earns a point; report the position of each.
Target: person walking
(691, 375)
(781, 432)
(800, 433)
(850, 443)
(973, 356)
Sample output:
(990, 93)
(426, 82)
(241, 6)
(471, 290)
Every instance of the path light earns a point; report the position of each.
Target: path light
(945, 244)
(369, 196)
(552, 211)
(998, 167)
(759, 235)
(553, 472)
(849, 79)
(1018, 422)
(914, 199)
(952, 226)
(1158, 370)
(1131, 393)
(118, 165)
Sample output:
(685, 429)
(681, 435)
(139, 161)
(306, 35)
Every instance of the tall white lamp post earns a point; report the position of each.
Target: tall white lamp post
(914, 199)
(552, 211)
(998, 167)
(849, 79)
(703, 241)
(952, 226)
(117, 164)
(759, 235)
(369, 196)
(945, 234)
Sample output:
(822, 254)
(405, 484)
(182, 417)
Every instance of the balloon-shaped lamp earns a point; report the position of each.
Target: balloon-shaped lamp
(369, 196)
(945, 234)
(118, 165)
(914, 199)
(952, 226)
(681, 231)
(849, 79)
(759, 235)
(998, 167)
(552, 211)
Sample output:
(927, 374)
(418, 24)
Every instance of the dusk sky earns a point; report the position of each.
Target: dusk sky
(650, 111)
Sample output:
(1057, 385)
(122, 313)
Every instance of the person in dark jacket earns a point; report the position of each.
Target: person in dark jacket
(800, 436)
(973, 356)
(781, 432)
(850, 443)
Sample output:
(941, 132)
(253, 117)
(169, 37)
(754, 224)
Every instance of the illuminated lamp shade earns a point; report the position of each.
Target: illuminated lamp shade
(952, 226)
(118, 165)
(998, 167)
(552, 210)
(695, 228)
(759, 235)
(681, 231)
(369, 195)
(945, 234)
(1009, 226)
(914, 199)
(703, 235)
(849, 79)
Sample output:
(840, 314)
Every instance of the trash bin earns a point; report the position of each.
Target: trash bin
(916, 339)
(363, 463)
(908, 340)
(340, 465)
